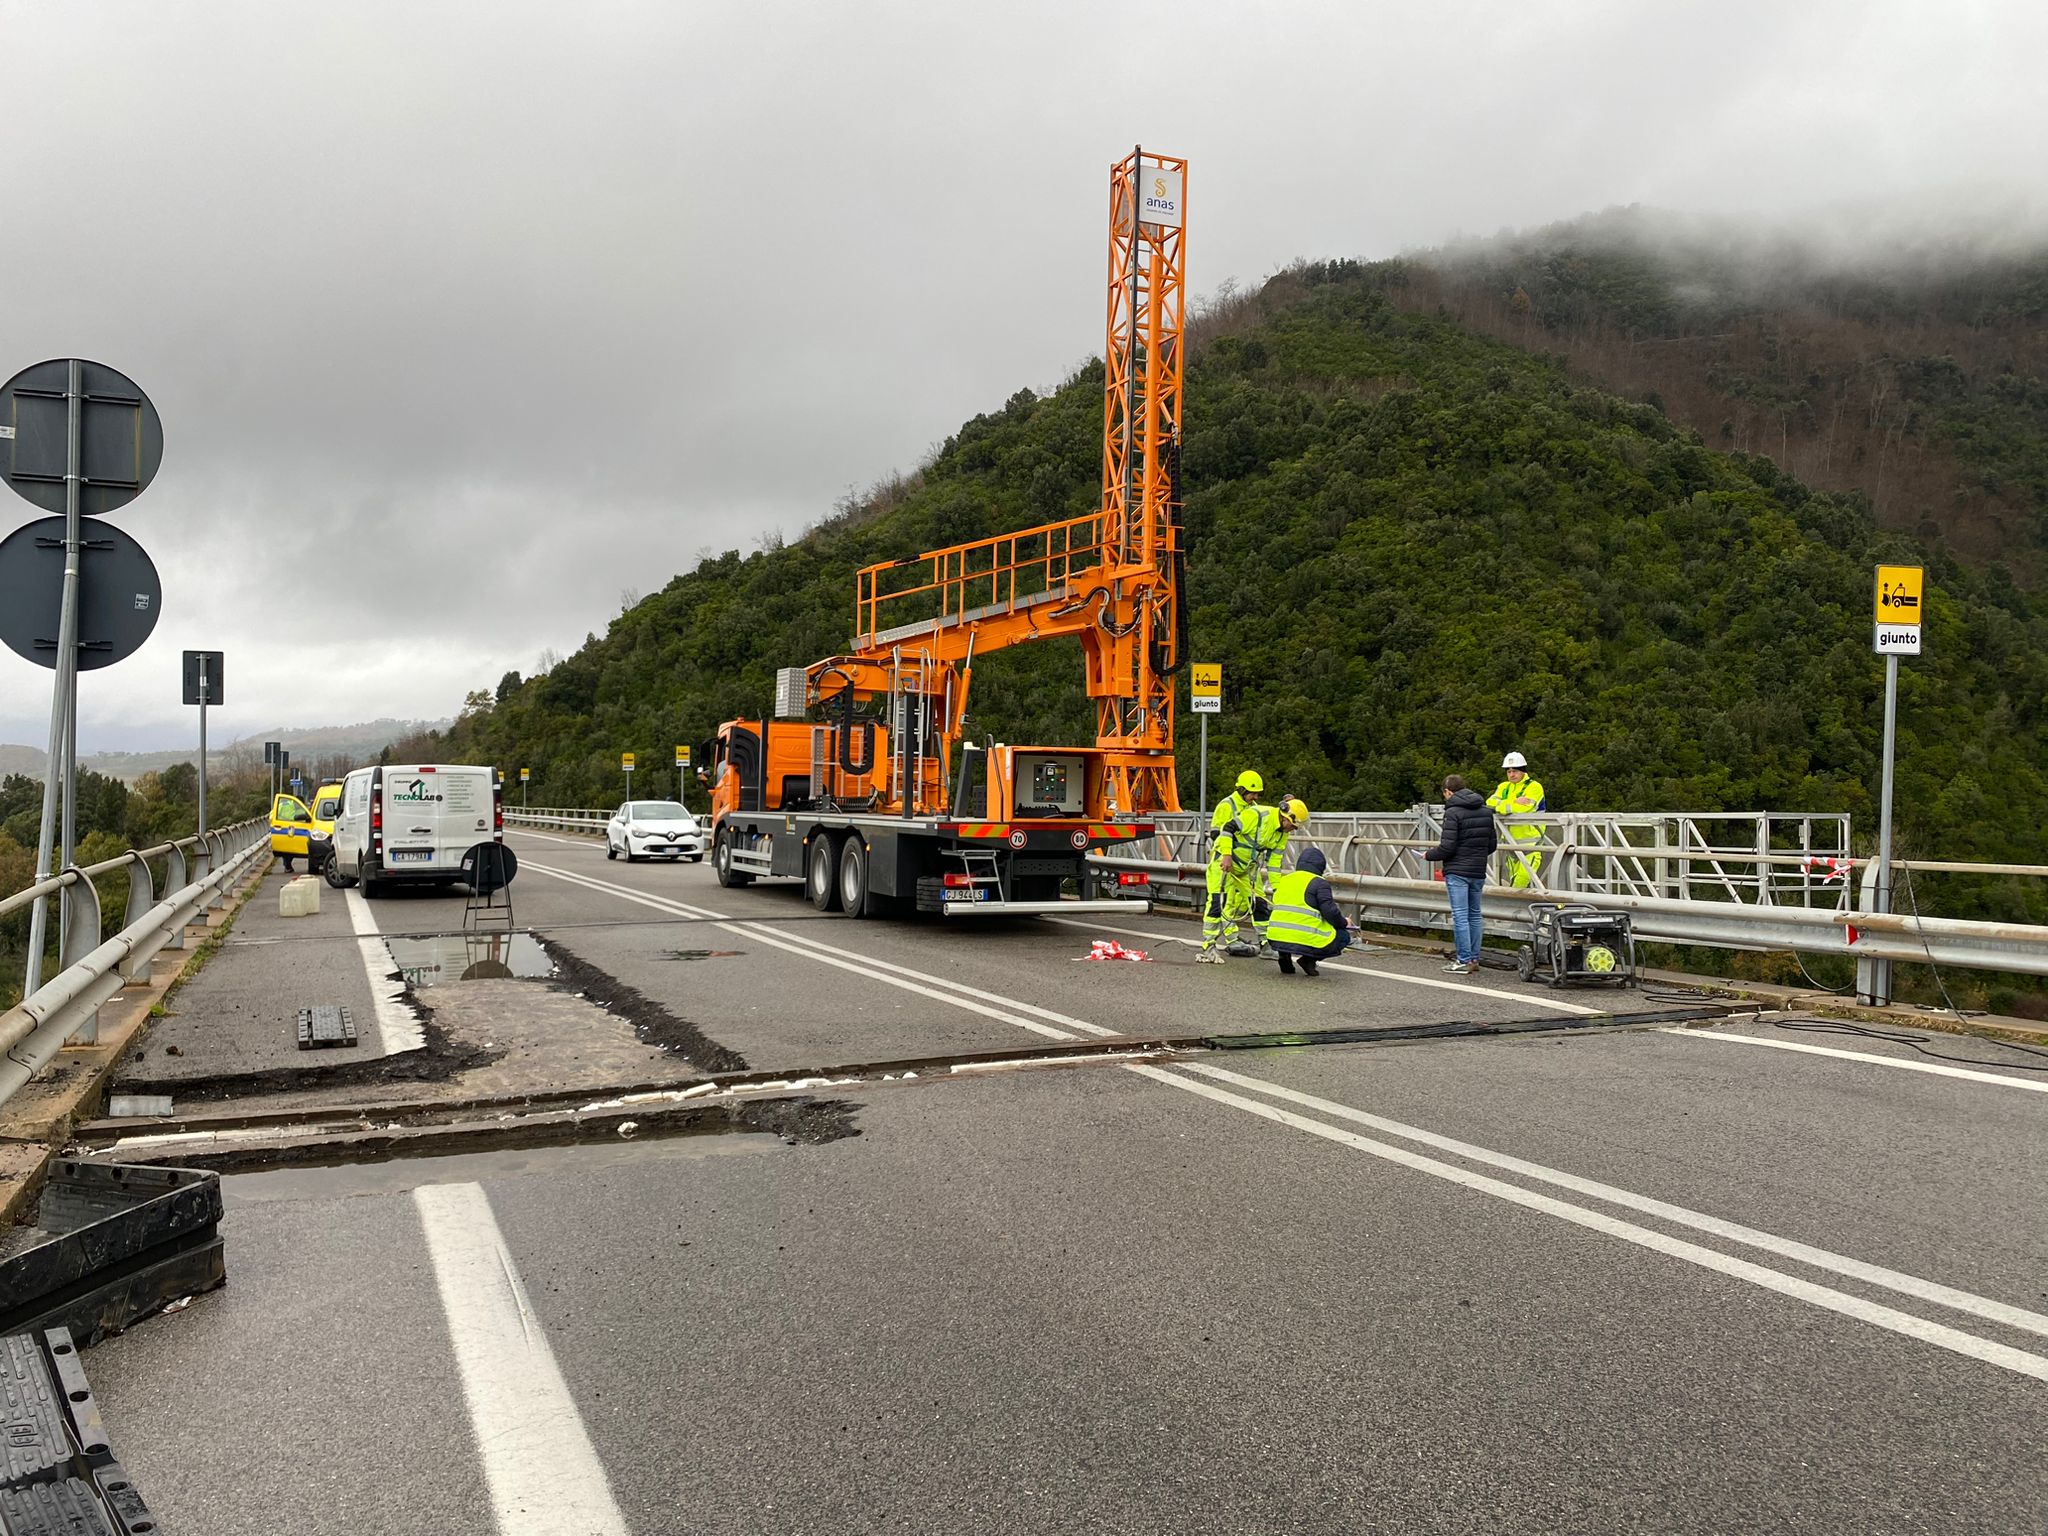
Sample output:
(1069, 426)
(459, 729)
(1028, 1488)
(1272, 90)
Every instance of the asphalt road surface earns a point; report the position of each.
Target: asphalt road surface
(1747, 1277)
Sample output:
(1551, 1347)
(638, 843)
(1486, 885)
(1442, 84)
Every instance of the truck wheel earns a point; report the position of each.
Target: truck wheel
(721, 862)
(853, 877)
(821, 876)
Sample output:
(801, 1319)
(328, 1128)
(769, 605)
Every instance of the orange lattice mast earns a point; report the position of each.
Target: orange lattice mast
(1136, 647)
(1111, 578)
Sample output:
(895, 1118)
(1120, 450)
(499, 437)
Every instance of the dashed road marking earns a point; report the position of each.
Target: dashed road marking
(543, 1472)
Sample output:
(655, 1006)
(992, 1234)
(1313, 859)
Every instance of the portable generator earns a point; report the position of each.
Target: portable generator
(1573, 942)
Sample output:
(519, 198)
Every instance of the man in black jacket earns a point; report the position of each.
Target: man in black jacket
(1467, 843)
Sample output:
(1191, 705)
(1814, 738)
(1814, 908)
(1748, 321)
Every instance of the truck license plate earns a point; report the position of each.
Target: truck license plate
(977, 893)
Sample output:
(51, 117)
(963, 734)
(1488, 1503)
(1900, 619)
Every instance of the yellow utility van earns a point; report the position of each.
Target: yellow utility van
(301, 832)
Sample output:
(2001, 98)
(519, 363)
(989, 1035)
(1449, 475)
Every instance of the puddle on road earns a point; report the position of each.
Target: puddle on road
(426, 962)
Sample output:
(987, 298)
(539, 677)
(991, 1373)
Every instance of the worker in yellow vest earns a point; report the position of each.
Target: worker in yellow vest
(1307, 923)
(1519, 795)
(1287, 818)
(1239, 831)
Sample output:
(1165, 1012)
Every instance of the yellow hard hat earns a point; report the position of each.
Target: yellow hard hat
(1293, 811)
(1251, 783)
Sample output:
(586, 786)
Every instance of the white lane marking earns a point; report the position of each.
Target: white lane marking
(542, 1471)
(777, 941)
(1819, 1258)
(1554, 1004)
(1934, 1068)
(958, 986)
(1136, 933)
(398, 1028)
(1874, 1313)
(785, 938)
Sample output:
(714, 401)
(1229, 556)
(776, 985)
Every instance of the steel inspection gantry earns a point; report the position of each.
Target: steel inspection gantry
(1112, 578)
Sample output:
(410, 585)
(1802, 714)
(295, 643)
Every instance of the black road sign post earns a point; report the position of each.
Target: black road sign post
(76, 438)
(204, 677)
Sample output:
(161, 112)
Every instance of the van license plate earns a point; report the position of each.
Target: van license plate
(412, 856)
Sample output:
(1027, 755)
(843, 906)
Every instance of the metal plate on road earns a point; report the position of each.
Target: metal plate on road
(121, 439)
(36, 1443)
(119, 593)
(324, 1027)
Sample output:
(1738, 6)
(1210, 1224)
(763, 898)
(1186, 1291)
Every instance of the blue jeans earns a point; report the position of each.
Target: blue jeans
(1464, 893)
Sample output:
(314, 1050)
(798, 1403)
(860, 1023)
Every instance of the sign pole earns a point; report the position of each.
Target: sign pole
(203, 689)
(1900, 608)
(58, 776)
(1203, 803)
(1881, 896)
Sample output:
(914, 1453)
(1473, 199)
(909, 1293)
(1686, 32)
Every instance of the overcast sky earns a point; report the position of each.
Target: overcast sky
(463, 319)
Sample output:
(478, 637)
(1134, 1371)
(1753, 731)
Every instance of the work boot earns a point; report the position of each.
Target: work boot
(1286, 964)
(1241, 949)
(1208, 956)
(1267, 951)
(1308, 967)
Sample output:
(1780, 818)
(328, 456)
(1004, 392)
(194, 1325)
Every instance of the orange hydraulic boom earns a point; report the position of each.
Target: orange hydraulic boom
(1113, 578)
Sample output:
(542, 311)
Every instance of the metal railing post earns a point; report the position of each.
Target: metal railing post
(1873, 976)
(141, 889)
(81, 936)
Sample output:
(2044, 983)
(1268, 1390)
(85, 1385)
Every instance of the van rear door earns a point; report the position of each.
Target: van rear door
(435, 814)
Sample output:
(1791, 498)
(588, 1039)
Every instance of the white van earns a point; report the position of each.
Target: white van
(413, 824)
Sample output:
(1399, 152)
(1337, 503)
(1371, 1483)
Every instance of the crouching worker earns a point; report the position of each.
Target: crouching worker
(1307, 924)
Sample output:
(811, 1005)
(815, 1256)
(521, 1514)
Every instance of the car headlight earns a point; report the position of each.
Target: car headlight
(636, 831)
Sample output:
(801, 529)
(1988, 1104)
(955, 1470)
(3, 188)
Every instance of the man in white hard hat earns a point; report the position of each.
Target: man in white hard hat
(1519, 795)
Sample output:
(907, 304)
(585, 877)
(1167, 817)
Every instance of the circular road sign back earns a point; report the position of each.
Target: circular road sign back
(121, 439)
(118, 593)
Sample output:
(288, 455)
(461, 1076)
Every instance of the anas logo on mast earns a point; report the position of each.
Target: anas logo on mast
(1159, 197)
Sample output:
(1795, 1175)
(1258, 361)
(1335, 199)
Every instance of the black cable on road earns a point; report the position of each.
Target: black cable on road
(1916, 1042)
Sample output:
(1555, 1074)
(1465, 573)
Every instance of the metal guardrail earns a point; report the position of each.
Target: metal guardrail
(1742, 880)
(555, 816)
(197, 870)
(1768, 857)
(1788, 882)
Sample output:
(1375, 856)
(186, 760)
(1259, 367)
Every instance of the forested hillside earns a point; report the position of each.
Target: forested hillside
(1412, 546)
(1915, 373)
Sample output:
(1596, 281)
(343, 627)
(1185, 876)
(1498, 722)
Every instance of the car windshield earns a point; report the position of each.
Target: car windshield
(658, 810)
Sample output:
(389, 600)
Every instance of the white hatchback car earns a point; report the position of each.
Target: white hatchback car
(649, 829)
